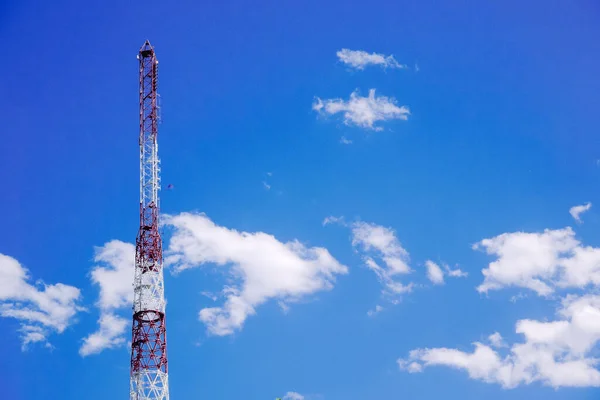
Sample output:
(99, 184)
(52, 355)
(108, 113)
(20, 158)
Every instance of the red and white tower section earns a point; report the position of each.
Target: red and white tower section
(149, 375)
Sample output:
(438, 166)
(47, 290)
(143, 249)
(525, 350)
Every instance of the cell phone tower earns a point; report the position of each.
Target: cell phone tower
(149, 375)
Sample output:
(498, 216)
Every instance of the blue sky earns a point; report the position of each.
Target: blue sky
(499, 138)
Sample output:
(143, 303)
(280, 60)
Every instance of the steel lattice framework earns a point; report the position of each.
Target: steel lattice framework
(149, 375)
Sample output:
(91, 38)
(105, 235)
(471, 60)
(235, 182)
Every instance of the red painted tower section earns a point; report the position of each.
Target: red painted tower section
(149, 374)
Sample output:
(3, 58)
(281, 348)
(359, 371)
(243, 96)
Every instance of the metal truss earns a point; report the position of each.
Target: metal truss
(149, 372)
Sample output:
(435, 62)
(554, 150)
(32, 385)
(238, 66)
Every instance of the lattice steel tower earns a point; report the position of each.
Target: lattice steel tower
(149, 378)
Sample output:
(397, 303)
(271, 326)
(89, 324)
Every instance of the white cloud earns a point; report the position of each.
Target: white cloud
(333, 220)
(359, 59)
(496, 340)
(517, 297)
(576, 211)
(455, 273)
(39, 309)
(109, 335)
(266, 185)
(293, 396)
(264, 267)
(375, 311)
(391, 286)
(114, 276)
(434, 273)
(540, 262)
(557, 353)
(361, 111)
(33, 334)
(210, 295)
(344, 140)
(381, 242)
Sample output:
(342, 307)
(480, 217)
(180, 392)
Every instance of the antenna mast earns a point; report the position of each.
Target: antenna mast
(149, 375)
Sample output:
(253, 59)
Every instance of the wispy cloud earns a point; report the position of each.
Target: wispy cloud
(363, 112)
(576, 211)
(40, 309)
(375, 311)
(496, 340)
(344, 140)
(333, 220)
(383, 242)
(266, 184)
(378, 242)
(360, 59)
(261, 266)
(455, 273)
